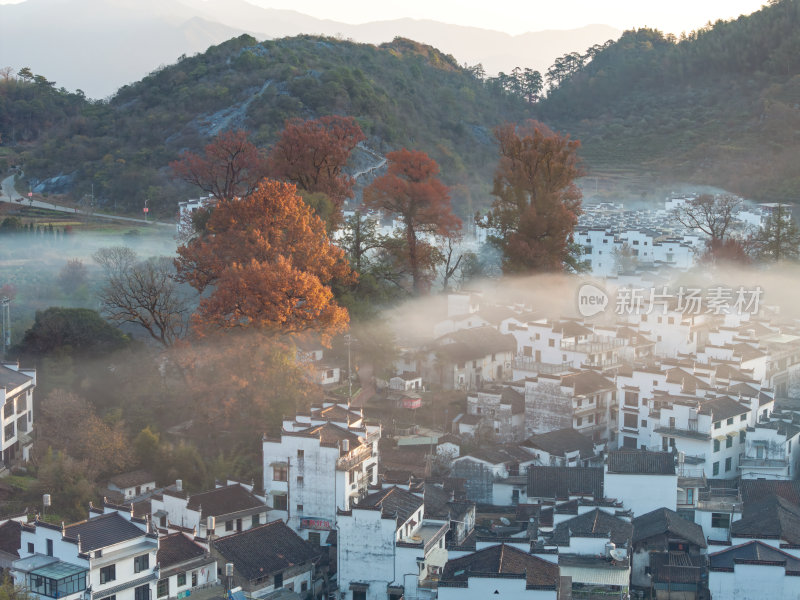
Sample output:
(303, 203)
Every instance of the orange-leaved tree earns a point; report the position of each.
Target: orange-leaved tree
(266, 262)
(230, 167)
(412, 191)
(311, 154)
(537, 203)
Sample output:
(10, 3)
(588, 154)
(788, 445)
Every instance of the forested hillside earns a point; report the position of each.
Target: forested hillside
(720, 106)
(403, 94)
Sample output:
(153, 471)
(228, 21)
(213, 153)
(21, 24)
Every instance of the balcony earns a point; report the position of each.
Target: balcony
(763, 463)
(354, 458)
(720, 499)
(592, 346)
(527, 363)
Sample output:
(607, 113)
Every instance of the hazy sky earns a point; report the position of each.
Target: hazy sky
(518, 16)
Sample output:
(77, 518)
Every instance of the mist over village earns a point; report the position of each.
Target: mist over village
(376, 304)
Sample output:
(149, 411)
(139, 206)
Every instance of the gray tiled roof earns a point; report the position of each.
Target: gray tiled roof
(265, 550)
(560, 482)
(103, 531)
(771, 517)
(595, 522)
(664, 520)
(224, 500)
(641, 462)
(561, 441)
(499, 560)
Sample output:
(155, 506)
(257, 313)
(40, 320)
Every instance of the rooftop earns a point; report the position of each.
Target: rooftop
(103, 530)
(641, 462)
(224, 500)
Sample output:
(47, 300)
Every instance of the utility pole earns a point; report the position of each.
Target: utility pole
(349, 339)
(6, 310)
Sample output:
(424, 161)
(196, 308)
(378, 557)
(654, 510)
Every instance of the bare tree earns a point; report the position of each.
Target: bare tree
(713, 215)
(143, 292)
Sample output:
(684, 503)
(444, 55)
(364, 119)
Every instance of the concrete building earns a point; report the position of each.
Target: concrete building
(314, 470)
(109, 555)
(184, 566)
(642, 480)
(16, 394)
(753, 571)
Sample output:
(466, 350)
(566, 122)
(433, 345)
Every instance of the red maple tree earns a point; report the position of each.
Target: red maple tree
(230, 167)
(412, 191)
(268, 264)
(311, 154)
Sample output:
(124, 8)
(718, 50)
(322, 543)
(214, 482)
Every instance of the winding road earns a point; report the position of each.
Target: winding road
(9, 194)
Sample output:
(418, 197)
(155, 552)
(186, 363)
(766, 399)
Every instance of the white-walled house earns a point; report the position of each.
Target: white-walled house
(386, 543)
(754, 571)
(642, 480)
(16, 394)
(772, 451)
(268, 558)
(311, 472)
(501, 571)
(184, 565)
(132, 484)
(234, 508)
(109, 555)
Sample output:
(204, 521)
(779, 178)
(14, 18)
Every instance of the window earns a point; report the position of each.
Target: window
(578, 421)
(8, 409)
(715, 468)
(141, 593)
(300, 454)
(551, 342)
(181, 579)
(279, 502)
(741, 436)
(590, 419)
(629, 420)
(194, 578)
(716, 445)
(690, 496)
(631, 399)
(229, 525)
(718, 424)
(672, 422)
(743, 417)
(730, 421)
(729, 441)
(300, 508)
(30, 548)
(278, 580)
(280, 473)
(256, 520)
(720, 520)
(728, 463)
(303, 586)
(49, 547)
(644, 423)
(300, 480)
(163, 588)
(108, 573)
(580, 402)
(141, 563)
(314, 538)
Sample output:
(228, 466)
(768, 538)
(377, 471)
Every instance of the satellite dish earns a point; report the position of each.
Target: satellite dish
(619, 554)
(505, 521)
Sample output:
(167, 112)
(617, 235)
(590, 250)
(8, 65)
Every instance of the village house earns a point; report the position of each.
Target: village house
(110, 555)
(268, 558)
(753, 571)
(466, 359)
(643, 480)
(562, 448)
(494, 475)
(184, 566)
(500, 570)
(386, 545)
(131, 485)
(315, 469)
(16, 394)
(771, 451)
(227, 508)
(664, 532)
(500, 414)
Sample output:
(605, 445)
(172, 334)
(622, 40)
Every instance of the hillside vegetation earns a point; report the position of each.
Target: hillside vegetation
(403, 94)
(720, 106)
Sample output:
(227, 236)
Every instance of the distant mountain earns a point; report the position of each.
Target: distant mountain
(720, 107)
(403, 94)
(99, 45)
